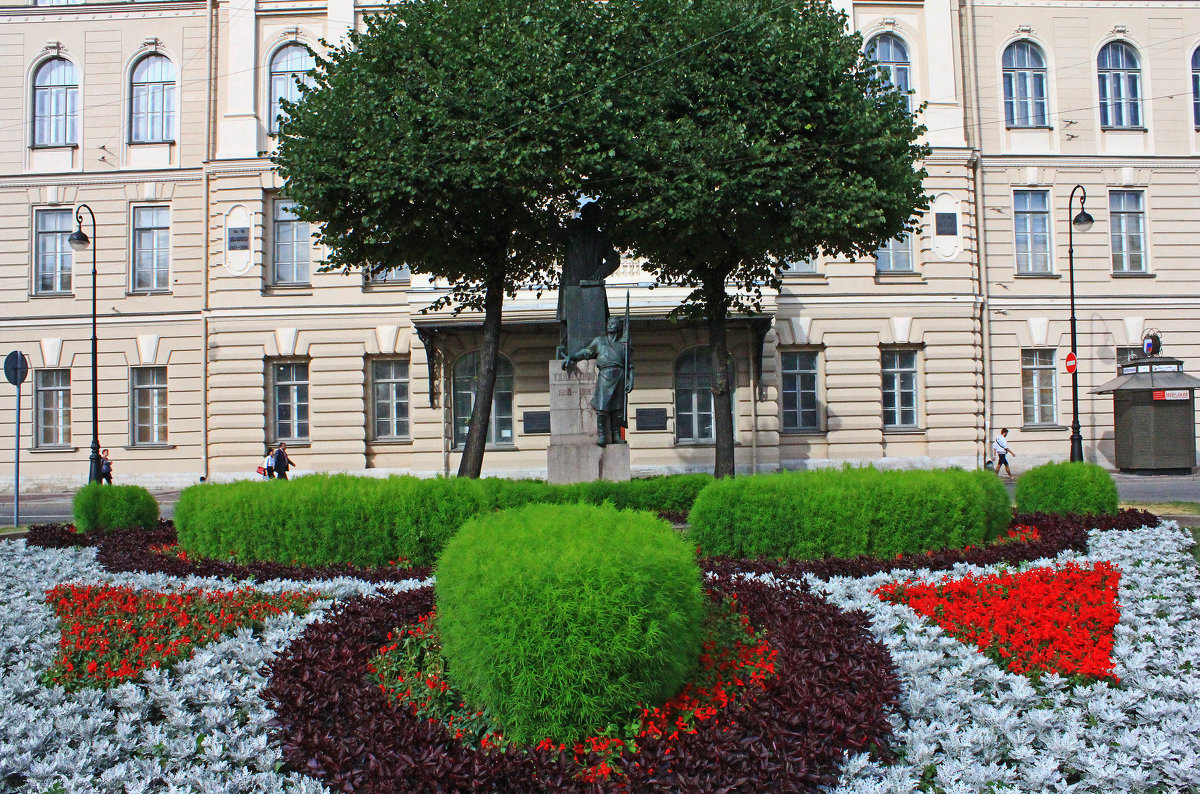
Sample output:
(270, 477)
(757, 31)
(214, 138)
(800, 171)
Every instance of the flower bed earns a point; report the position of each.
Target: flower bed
(964, 724)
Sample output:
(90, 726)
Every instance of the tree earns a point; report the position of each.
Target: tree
(439, 138)
(756, 134)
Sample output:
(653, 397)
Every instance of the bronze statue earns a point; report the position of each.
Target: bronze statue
(582, 304)
(614, 379)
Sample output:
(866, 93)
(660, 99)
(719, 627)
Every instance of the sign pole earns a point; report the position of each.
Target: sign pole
(16, 369)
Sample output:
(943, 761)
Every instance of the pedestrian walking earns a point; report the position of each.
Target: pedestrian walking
(105, 467)
(1001, 450)
(281, 462)
(267, 467)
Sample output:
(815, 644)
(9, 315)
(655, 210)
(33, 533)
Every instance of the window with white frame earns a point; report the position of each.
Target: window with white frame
(1024, 85)
(52, 407)
(1038, 399)
(466, 384)
(1196, 88)
(1120, 86)
(895, 256)
(291, 245)
(389, 384)
(290, 66)
(56, 104)
(289, 400)
(1031, 230)
(891, 56)
(57, 2)
(52, 253)
(694, 398)
(392, 275)
(151, 248)
(899, 388)
(801, 267)
(149, 403)
(152, 100)
(798, 396)
(1127, 219)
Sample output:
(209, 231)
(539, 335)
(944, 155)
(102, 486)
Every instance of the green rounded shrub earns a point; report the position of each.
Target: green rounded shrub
(561, 619)
(1082, 488)
(323, 519)
(846, 512)
(98, 507)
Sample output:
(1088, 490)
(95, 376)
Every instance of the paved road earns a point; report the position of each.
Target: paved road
(42, 508)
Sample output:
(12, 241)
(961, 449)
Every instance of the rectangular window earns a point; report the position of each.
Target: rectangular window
(896, 256)
(289, 400)
(900, 388)
(151, 249)
(1031, 228)
(798, 371)
(1128, 221)
(292, 243)
(52, 407)
(149, 405)
(52, 252)
(801, 266)
(389, 380)
(393, 275)
(1037, 387)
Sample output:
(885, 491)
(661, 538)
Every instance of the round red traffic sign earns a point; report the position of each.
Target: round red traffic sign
(1072, 362)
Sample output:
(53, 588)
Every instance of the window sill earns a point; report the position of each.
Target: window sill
(892, 277)
(904, 431)
(1132, 275)
(802, 432)
(372, 286)
(489, 448)
(148, 446)
(805, 276)
(1043, 428)
(136, 292)
(1028, 127)
(1124, 129)
(291, 444)
(391, 442)
(36, 295)
(152, 143)
(37, 450)
(1037, 275)
(44, 146)
(288, 289)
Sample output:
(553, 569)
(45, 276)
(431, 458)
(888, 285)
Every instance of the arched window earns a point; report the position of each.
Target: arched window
(466, 379)
(55, 104)
(892, 56)
(152, 100)
(290, 63)
(1024, 85)
(1196, 87)
(1120, 86)
(693, 395)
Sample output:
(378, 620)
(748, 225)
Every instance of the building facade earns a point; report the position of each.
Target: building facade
(219, 337)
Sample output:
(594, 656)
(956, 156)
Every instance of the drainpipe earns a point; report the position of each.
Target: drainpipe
(210, 112)
(974, 129)
(753, 404)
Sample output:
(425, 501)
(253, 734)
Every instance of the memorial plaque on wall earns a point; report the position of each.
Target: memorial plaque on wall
(239, 238)
(535, 422)
(945, 224)
(651, 419)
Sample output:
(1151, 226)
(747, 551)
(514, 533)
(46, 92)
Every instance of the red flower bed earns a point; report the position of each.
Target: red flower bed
(1045, 620)
(735, 664)
(111, 634)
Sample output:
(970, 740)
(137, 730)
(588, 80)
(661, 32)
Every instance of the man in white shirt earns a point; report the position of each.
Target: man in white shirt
(1000, 448)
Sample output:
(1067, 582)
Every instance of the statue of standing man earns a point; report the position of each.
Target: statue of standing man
(614, 379)
(582, 304)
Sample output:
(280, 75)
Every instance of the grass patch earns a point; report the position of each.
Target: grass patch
(1167, 508)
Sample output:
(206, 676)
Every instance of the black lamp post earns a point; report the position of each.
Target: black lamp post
(1082, 222)
(81, 242)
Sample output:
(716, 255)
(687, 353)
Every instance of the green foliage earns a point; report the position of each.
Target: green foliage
(1082, 488)
(846, 512)
(560, 619)
(997, 505)
(323, 519)
(102, 508)
(672, 492)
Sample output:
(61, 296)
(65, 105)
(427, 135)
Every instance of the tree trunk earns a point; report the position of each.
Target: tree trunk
(716, 311)
(471, 464)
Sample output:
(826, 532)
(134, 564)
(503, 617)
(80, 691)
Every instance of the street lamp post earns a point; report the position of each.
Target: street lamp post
(81, 242)
(1082, 222)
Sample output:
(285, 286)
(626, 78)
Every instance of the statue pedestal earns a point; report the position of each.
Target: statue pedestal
(573, 455)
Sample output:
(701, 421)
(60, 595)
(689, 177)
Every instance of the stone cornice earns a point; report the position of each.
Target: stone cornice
(119, 178)
(94, 11)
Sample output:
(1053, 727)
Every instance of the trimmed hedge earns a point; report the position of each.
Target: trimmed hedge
(848, 512)
(99, 507)
(561, 619)
(1082, 488)
(326, 519)
(673, 493)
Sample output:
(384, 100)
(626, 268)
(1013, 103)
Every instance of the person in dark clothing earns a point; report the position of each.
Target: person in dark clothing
(282, 461)
(105, 467)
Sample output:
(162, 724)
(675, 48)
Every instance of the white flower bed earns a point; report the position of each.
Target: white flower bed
(970, 726)
(973, 727)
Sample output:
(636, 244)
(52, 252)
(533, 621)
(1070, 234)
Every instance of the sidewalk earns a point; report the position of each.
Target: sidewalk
(53, 508)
